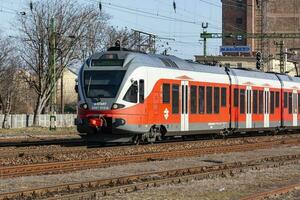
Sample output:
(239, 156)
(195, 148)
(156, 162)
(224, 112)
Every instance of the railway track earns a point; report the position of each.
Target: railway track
(21, 152)
(68, 166)
(94, 189)
(40, 142)
(272, 193)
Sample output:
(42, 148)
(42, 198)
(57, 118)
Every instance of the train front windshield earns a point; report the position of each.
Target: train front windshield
(102, 84)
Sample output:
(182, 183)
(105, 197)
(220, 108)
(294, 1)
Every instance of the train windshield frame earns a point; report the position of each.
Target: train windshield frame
(103, 83)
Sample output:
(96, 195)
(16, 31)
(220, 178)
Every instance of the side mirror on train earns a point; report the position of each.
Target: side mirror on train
(76, 88)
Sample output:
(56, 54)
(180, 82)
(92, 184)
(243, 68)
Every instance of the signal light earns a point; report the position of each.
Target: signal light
(258, 60)
(95, 122)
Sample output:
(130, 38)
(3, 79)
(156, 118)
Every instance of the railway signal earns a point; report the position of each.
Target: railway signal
(258, 60)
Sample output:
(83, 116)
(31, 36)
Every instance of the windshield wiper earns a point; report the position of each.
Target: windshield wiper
(88, 89)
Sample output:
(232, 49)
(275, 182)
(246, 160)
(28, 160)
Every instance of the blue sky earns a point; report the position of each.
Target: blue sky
(184, 26)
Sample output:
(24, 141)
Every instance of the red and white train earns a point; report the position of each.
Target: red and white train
(129, 96)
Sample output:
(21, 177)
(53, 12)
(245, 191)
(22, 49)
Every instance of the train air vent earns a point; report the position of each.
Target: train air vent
(169, 63)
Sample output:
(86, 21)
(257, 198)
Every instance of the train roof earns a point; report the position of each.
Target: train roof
(172, 62)
(137, 59)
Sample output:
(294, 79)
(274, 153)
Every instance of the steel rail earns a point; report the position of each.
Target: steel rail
(103, 187)
(67, 166)
(85, 149)
(275, 192)
(40, 142)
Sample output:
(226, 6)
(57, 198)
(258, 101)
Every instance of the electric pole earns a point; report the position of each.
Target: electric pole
(52, 68)
(281, 55)
(144, 41)
(62, 103)
(204, 26)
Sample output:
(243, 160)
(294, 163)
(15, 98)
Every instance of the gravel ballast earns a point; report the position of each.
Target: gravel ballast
(22, 183)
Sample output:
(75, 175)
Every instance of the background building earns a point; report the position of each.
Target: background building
(69, 94)
(262, 16)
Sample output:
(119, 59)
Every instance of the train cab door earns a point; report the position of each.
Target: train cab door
(266, 107)
(184, 106)
(249, 107)
(295, 107)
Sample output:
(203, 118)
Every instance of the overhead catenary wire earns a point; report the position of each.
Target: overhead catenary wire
(150, 14)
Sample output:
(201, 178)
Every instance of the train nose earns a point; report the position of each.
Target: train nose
(95, 122)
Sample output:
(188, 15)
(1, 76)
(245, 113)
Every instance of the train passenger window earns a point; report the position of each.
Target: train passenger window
(131, 94)
(277, 100)
(141, 91)
(294, 103)
(193, 99)
(242, 101)
(208, 100)
(285, 100)
(166, 93)
(175, 99)
(290, 103)
(272, 102)
(261, 102)
(216, 100)
(201, 99)
(223, 97)
(254, 101)
(236, 97)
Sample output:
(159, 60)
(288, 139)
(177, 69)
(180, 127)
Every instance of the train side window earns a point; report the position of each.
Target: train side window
(141, 91)
(236, 97)
(261, 102)
(272, 102)
(175, 99)
(294, 103)
(132, 93)
(285, 100)
(193, 99)
(255, 101)
(216, 100)
(223, 97)
(166, 93)
(242, 101)
(201, 99)
(277, 99)
(290, 103)
(208, 100)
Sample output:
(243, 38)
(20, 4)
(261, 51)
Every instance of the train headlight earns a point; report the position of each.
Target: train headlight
(117, 106)
(84, 106)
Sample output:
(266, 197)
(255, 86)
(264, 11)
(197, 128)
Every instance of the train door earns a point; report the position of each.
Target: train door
(266, 107)
(249, 107)
(295, 107)
(184, 106)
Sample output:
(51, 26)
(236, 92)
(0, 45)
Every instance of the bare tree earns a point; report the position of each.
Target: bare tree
(74, 24)
(6, 76)
(125, 36)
